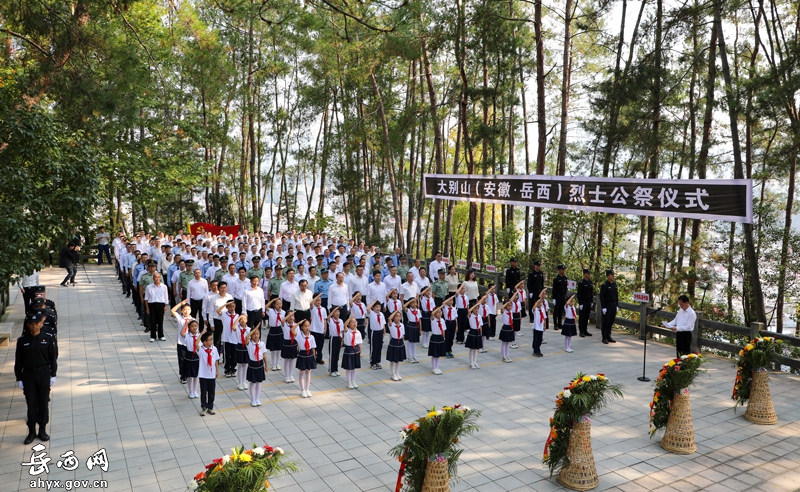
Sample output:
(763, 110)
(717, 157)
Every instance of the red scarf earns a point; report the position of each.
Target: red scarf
(428, 301)
(541, 315)
(278, 319)
(258, 353)
(319, 312)
(439, 321)
(397, 327)
(232, 317)
(291, 336)
(395, 305)
(414, 312)
(353, 340)
(194, 344)
(450, 312)
(208, 352)
(516, 307)
(241, 334)
(464, 300)
(360, 308)
(338, 331)
(380, 321)
(572, 308)
(308, 345)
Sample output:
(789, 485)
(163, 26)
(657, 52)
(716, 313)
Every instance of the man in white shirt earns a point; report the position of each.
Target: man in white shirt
(376, 291)
(218, 301)
(415, 268)
(683, 326)
(339, 296)
(211, 271)
(288, 288)
(301, 301)
(435, 266)
(26, 284)
(393, 280)
(358, 282)
(253, 302)
(409, 290)
(195, 292)
(238, 287)
(312, 278)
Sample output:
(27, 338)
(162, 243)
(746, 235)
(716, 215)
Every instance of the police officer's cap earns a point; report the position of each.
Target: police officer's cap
(189, 262)
(586, 270)
(223, 258)
(441, 271)
(38, 288)
(256, 258)
(561, 267)
(324, 271)
(289, 257)
(320, 257)
(537, 263)
(37, 301)
(33, 317)
(513, 260)
(609, 272)
(278, 267)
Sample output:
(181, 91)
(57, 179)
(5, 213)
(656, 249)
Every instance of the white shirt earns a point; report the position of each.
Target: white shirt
(318, 316)
(471, 288)
(352, 336)
(684, 320)
(427, 304)
(196, 289)
(397, 331)
(409, 291)
(376, 292)
(422, 283)
(438, 326)
(413, 316)
(338, 295)
(358, 310)
(376, 321)
(251, 350)
(207, 371)
(189, 341)
(358, 284)
(335, 327)
(156, 293)
(301, 342)
(433, 269)
(217, 302)
(253, 299)
(393, 305)
(491, 304)
(31, 280)
(180, 320)
(208, 305)
(392, 282)
(287, 291)
(414, 271)
(238, 287)
(229, 326)
(301, 301)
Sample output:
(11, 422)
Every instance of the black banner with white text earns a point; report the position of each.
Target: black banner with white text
(708, 199)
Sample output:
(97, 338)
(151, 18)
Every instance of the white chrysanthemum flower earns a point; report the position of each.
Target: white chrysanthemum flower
(258, 451)
(278, 451)
(193, 485)
(403, 435)
(593, 377)
(567, 393)
(226, 459)
(466, 409)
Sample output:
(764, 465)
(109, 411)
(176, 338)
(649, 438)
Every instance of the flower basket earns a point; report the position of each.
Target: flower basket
(431, 447)
(760, 409)
(243, 470)
(568, 449)
(581, 472)
(673, 412)
(752, 381)
(437, 477)
(679, 436)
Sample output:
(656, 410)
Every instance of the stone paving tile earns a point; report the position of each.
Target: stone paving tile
(117, 391)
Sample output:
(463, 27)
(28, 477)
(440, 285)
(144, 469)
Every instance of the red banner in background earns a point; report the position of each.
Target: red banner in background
(203, 227)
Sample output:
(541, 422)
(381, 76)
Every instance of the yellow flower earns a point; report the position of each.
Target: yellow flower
(266, 484)
(671, 363)
(748, 347)
(431, 414)
(655, 399)
(245, 457)
(741, 353)
(446, 409)
(587, 378)
(560, 394)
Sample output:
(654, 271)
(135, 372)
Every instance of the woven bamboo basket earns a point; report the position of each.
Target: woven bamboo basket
(679, 436)
(759, 407)
(437, 478)
(581, 473)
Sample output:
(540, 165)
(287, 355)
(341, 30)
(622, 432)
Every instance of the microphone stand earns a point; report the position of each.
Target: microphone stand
(644, 378)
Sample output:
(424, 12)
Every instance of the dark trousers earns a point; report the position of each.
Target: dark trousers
(300, 316)
(171, 294)
(36, 383)
(463, 324)
(438, 301)
(324, 302)
(27, 297)
(71, 271)
(137, 300)
(230, 358)
(208, 387)
(254, 318)
(583, 319)
(683, 342)
(376, 345)
(558, 311)
(238, 307)
(335, 344)
(537, 341)
(344, 313)
(449, 334)
(156, 319)
(608, 321)
(197, 307)
(492, 331)
(217, 324)
(181, 358)
(320, 339)
(531, 303)
(103, 248)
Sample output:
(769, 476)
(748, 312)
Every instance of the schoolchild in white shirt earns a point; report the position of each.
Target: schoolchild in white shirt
(474, 340)
(396, 351)
(257, 356)
(377, 328)
(351, 359)
(507, 330)
(427, 304)
(208, 372)
(242, 358)
(306, 357)
(289, 348)
(182, 313)
(275, 317)
(191, 362)
(413, 317)
(436, 347)
(335, 331)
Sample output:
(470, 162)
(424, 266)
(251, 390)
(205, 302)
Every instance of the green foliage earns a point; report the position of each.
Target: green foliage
(582, 398)
(676, 375)
(438, 433)
(754, 356)
(243, 470)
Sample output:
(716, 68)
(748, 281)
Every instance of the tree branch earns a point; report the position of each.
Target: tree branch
(27, 40)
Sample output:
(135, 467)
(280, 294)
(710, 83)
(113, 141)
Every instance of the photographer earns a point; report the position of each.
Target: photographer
(68, 258)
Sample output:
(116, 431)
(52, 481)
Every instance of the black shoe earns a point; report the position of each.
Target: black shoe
(31, 436)
(62, 284)
(42, 434)
(605, 341)
(582, 335)
(611, 340)
(587, 333)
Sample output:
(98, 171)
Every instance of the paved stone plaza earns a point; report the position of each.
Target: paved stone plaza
(118, 391)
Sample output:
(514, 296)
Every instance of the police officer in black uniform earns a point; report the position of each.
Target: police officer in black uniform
(535, 285)
(35, 369)
(50, 317)
(559, 296)
(585, 298)
(609, 297)
(512, 276)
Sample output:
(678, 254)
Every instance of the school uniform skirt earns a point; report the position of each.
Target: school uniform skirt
(289, 350)
(396, 352)
(436, 346)
(474, 340)
(412, 332)
(351, 360)
(191, 364)
(274, 338)
(305, 361)
(255, 372)
(517, 320)
(426, 324)
(568, 328)
(242, 357)
(507, 334)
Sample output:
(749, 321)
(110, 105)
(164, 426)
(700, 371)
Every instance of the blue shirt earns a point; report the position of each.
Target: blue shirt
(242, 263)
(138, 268)
(321, 287)
(170, 271)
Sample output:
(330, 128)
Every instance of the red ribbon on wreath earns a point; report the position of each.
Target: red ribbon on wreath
(402, 460)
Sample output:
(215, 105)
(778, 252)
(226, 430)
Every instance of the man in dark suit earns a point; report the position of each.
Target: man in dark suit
(67, 258)
(585, 297)
(609, 298)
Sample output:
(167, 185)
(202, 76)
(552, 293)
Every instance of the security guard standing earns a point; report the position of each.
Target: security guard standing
(274, 285)
(512, 277)
(256, 270)
(223, 269)
(535, 286)
(585, 298)
(50, 317)
(609, 298)
(35, 369)
(440, 288)
(147, 279)
(186, 276)
(559, 296)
